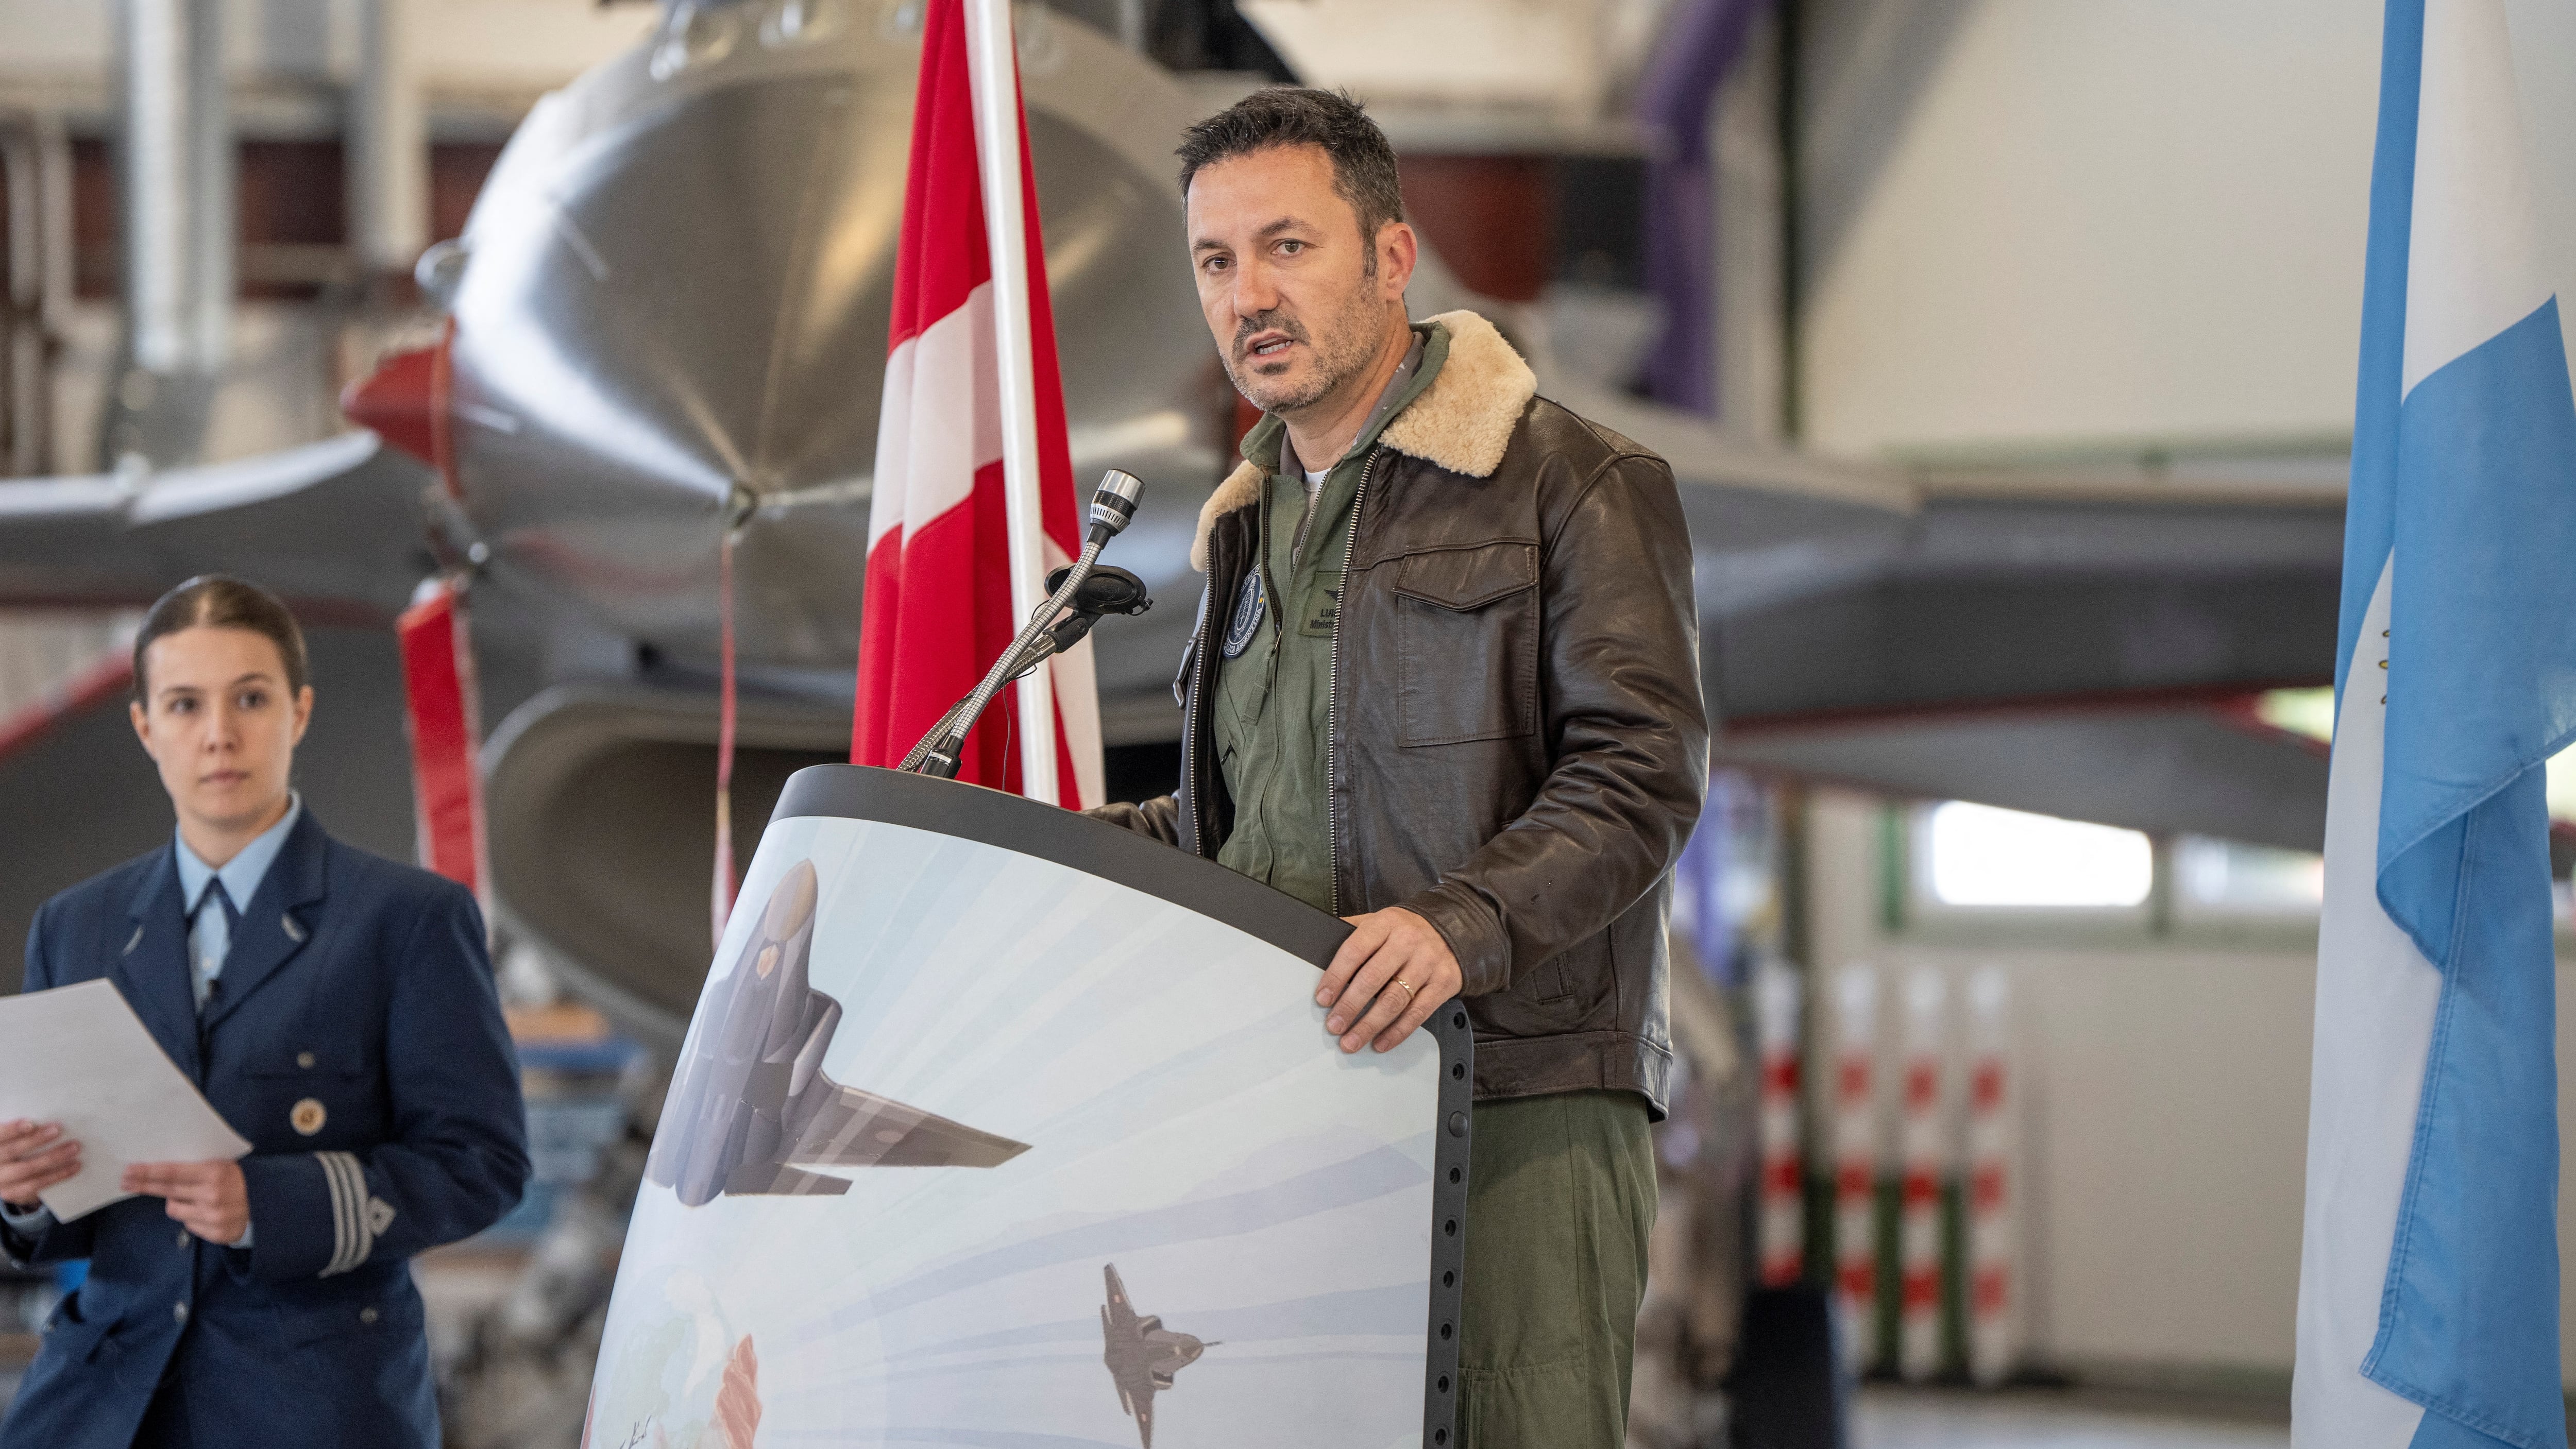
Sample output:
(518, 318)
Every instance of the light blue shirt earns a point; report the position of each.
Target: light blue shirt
(210, 934)
(210, 931)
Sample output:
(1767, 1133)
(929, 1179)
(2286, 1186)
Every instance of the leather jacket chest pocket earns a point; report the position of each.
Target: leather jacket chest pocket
(1466, 630)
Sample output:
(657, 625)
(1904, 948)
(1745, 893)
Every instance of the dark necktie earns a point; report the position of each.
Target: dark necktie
(216, 895)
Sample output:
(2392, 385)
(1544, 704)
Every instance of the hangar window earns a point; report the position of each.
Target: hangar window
(2233, 879)
(1978, 856)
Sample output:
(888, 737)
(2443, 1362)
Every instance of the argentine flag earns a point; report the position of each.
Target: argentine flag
(2428, 1283)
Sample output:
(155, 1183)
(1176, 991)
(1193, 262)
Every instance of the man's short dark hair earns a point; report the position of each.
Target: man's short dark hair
(1363, 163)
(220, 601)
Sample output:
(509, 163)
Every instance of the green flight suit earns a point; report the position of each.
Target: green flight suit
(1273, 689)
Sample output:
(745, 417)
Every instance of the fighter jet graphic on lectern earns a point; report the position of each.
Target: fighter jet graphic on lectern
(752, 1110)
(1141, 1353)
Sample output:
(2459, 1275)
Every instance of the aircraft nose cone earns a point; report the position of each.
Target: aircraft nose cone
(405, 402)
(791, 905)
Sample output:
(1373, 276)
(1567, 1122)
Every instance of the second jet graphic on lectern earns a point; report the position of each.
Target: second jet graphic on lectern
(751, 1108)
(1141, 1353)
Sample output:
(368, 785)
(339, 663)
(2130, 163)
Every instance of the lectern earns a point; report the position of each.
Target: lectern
(1000, 1126)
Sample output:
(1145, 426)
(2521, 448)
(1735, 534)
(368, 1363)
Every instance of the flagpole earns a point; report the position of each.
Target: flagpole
(994, 72)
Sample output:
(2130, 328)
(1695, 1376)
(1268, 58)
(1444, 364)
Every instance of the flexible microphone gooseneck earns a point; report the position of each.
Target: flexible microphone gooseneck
(940, 751)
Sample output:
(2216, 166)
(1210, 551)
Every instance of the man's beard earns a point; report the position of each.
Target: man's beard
(1349, 344)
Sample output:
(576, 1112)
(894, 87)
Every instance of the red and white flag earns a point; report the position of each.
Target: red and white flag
(938, 600)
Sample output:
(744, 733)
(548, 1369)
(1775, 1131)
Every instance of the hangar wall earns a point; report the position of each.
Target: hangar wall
(2184, 251)
(2103, 226)
(2144, 1068)
(2165, 1121)
(2038, 233)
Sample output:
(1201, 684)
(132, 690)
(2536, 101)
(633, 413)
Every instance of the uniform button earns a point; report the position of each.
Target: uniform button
(304, 1059)
(366, 1315)
(183, 1237)
(179, 1311)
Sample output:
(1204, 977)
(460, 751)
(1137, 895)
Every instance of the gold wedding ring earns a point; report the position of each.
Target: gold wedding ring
(1408, 991)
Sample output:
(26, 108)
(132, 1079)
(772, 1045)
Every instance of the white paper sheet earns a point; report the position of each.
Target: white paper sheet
(78, 1055)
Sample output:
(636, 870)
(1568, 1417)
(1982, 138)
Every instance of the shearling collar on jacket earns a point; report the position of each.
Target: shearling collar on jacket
(1462, 422)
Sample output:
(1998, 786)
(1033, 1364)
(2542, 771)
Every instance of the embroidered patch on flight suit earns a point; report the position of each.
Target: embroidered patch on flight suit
(1247, 617)
(307, 1116)
(1323, 602)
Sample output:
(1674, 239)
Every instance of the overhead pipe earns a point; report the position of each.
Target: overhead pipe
(176, 180)
(1136, 25)
(1703, 41)
(35, 155)
(387, 138)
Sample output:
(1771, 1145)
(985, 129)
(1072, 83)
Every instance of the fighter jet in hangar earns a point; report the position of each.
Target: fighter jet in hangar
(669, 312)
(1143, 1355)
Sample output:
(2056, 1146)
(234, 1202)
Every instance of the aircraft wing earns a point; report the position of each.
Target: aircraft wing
(1109, 1342)
(2181, 768)
(851, 1128)
(1841, 586)
(1124, 1312)
(2079, 645)
(337, 523)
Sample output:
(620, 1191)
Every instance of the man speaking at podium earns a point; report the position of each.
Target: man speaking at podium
(1445, 684)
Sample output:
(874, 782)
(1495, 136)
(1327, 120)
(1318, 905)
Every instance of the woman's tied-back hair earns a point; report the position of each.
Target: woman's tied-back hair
(220, 601)
(1363, 163)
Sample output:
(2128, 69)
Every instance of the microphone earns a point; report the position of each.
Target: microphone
(939, 751)
(1114, 505)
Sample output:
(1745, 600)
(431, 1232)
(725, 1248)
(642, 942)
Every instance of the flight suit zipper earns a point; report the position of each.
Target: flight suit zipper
(1198, 714)
(1193, 784)
(1333, 691)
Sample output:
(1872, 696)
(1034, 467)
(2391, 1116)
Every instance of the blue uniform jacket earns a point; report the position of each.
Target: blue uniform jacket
(358, 1043)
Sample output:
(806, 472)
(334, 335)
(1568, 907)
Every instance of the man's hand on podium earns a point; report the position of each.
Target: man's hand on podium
(33, 1157)
(1390, 975)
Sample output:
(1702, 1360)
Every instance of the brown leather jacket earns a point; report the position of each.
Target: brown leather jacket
(1517, 744)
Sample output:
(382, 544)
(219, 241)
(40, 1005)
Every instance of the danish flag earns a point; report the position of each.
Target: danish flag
(938, 599)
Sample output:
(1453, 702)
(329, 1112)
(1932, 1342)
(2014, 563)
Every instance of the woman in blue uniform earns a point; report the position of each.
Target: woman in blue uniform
(338, 1010)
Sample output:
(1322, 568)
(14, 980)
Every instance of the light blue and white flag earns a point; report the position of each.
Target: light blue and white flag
(2428, 1284)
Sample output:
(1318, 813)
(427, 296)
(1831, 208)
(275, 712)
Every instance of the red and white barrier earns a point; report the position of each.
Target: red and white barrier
(1781, 1226)
(1925, 1158)
(1994, 1288)
(1856, 1158)
(1953, 1092)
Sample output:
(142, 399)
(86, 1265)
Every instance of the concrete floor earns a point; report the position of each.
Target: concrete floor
(1887, 1417)
(1902, 1419)
(1896, 1420)
(1932, 1419)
